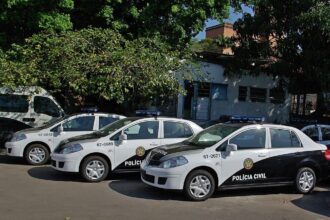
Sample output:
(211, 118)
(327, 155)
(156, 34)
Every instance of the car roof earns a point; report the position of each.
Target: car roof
(95, 113)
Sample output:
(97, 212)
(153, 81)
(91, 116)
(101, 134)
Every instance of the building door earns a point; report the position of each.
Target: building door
(197, 101)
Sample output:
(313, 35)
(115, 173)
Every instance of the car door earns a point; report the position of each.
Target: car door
(141, 138)
(44, 110)
(175, 132)
(285, 153)
(325, 135)
(74, 126)
(247, 165)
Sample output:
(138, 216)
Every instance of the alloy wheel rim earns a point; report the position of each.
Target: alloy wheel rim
(37, 155)
(95, 169)
(306, 181)
(200, 186)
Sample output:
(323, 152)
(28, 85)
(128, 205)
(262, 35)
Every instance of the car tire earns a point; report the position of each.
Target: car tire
(305, 180)
(199, 185)
(94, 169)
(36, 154)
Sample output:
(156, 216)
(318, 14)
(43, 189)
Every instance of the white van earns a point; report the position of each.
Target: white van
(26, 107)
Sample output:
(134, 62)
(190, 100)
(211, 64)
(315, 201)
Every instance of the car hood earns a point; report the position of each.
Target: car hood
(29, 130)
(173, 150)
(66, 142)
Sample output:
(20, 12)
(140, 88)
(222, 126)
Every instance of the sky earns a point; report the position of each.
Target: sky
(232, 18)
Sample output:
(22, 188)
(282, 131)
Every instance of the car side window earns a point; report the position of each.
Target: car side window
(104, 121)
(325, 133)
(250, 139)
(14, 103)
(85, 123)
(46, 106)
(143, 130)
(176, 130)
(313, 133)
(281, 138)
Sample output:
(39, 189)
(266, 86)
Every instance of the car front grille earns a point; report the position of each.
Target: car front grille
(53, 163)
(147, 177)
(162, 180)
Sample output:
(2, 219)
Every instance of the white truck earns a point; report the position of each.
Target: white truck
(25, 107)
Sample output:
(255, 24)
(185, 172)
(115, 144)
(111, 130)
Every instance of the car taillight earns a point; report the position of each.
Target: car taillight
(327, 154)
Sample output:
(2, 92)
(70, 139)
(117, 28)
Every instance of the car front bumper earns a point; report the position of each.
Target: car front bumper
(172, 178)
(14, 149)
(65, 162)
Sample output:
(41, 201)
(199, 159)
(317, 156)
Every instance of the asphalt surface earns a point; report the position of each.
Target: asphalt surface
(35, 193)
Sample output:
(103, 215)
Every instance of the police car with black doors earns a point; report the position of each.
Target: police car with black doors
(231, 156)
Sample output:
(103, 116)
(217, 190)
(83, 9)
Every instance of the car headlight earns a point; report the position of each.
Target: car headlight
(173, 162)
(18, 137)
(71, 149)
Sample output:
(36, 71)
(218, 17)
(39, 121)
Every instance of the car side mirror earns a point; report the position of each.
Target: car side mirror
(60, 129)
(231, 147)
(122, 137)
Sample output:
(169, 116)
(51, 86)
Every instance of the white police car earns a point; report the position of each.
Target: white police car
(36, 144)
(230, 156)
(120, 146)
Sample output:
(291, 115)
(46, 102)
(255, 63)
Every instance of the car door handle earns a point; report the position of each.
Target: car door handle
(153, 144)
(262, 155)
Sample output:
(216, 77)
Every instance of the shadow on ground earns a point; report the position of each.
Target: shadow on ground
(48, 173)
(133, 187)
(136, 189)
(318, 202)
(4, 159)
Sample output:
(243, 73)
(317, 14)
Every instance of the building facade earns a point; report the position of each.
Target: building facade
(214, 95)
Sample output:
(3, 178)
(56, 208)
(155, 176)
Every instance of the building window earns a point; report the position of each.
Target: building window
(204, 89)
(219, 92)
(303, 104)
(258, 94)
(242, 93)
(276, 96)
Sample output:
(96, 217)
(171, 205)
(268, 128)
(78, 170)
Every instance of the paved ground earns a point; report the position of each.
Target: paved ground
(35, 193)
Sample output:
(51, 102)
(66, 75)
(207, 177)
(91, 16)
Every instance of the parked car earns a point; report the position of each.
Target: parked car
(232, 156)
(319, 133)
(36, 144)
(25, 107)
(120, 146)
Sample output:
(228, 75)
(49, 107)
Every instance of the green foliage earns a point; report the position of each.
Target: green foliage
(22, 18)
(175, 21)
(286, 38)
(94, 62)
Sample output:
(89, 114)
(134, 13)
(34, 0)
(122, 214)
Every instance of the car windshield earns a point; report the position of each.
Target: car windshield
(212, 135)
(115, 126)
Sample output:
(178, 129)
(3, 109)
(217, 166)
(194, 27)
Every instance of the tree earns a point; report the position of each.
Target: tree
(96, 63)
(286, 38)
(20, 19)
(175, 21)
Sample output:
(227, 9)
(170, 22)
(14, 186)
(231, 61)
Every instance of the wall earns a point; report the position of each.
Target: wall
(214, 73)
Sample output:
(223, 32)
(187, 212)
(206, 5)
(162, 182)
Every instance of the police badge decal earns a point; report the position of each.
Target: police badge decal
(140, 151)
(248, 163)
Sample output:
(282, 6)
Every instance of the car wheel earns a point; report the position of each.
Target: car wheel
(36, 154)
(95, 169)
(305, 180)
(199, 185)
